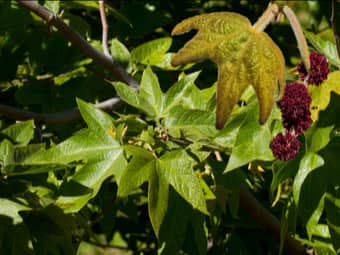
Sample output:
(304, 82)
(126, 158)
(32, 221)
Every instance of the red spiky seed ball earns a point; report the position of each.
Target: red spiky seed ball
(295, 107)
(285, 146)
(318, 69)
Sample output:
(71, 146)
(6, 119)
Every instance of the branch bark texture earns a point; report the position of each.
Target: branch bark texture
(55, 118)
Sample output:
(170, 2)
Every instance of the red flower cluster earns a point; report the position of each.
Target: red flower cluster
(285, 146)
(294, 106)
(318, 69)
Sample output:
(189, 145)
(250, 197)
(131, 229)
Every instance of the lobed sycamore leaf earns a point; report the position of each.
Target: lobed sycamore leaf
(243, 55)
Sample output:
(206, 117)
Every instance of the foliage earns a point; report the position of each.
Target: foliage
(243, 55)
(155, 176)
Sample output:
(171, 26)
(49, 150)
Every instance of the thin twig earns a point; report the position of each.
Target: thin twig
(335, 33)
(105, 28)
(80, 42)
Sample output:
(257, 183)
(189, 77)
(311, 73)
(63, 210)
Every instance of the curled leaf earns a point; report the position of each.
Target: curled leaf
(244, 57)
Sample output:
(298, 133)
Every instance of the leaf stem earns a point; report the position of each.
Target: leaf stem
(105, 28)
(269, 14)
(300, 38)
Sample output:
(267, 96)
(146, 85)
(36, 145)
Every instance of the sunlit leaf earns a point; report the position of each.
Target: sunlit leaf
(146, 51)
(252, 141)
(119, 52)
(137, 172)
(243, 55)
(150, 94)
(177, 167)
(321, 95)
(328, 48)
(20, 133)
(318, 137)
(158, 199)
(309, 162)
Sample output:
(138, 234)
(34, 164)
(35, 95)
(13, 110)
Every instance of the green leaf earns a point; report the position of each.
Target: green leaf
(96, 120)
(76, 192)
(321, 95)
(84, 144)
(189, 123)
(92, 5)
(177, 168)
(93, 150)
(138, 171)
(308, 163)
(227, 136)
(6, 153)
(197, 223)
(326, 47)
(21, 133)
(52, 5)
(11, 209)
(164, 62)
(158, 195)
(127, 94)
(333, 211)
(177, 92)
(51, 231)
(150, 94)
(312, 226)
(318, 137)
(174, 168)
(119, 52)
(252, 142)
(282, 170)
(145, 52)
(171, 236)
(243, 55)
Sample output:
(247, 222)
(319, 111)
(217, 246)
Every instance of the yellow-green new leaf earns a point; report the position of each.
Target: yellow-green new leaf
(321, 95)
(244, 57)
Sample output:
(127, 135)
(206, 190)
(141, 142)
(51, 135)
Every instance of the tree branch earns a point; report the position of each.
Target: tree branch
(104, 28)
(74, 37)
(262, 216)
(79, 42)
(54, 118)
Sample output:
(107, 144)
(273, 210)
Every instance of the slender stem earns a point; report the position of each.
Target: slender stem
(336, 36)
(79, 42)
(300, 38)
(105, 28)
(267, 17)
